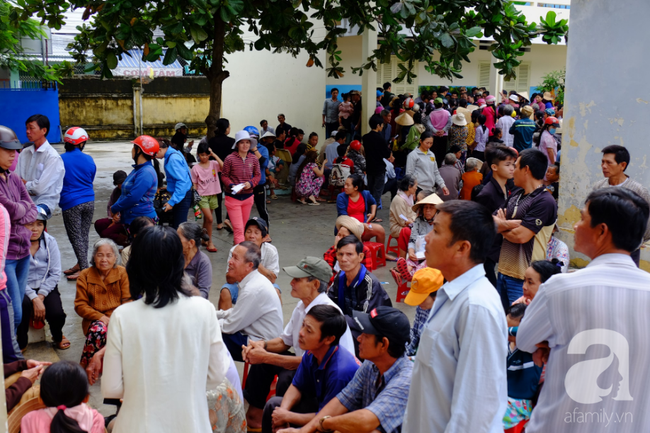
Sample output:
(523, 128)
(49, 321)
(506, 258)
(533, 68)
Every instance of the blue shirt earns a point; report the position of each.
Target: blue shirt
(522, 131)
(138, 191)
(383, 396)
(178, 175)
(421, 316)
(264, 161)
(80, 172)
(326, 380)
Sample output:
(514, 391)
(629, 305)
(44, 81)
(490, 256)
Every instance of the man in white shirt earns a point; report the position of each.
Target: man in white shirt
(591, 316)
(256, 231)
(40, 166)
(271, 358)
(459, 378)
(258, 313)
(504, 123)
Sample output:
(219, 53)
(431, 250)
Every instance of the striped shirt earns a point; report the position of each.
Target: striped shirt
(589, 317)
(237, 170)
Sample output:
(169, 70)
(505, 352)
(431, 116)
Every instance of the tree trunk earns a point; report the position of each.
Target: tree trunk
(216, 75)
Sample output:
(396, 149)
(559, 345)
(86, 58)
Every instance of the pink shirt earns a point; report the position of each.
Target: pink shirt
(5, 228)
(439, 118)
(206, 179)
(39, 421)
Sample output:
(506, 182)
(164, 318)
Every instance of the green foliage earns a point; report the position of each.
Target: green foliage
(554, 82)
(11, 52)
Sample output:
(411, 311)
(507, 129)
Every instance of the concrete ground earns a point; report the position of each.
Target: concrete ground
(297, 231)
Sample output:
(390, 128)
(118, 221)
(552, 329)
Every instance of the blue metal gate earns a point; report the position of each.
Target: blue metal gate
(17, 104)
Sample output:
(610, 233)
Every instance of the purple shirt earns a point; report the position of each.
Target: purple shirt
(22, 210)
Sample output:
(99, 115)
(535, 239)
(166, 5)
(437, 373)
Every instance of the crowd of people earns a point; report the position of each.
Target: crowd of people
(473, 209)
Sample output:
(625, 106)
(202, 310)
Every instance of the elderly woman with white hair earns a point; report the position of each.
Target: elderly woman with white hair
(101, 288)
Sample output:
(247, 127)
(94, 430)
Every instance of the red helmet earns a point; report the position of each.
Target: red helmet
(355, 145)
(551, 121)
(148, 144)
(409, 103)
(75, 135)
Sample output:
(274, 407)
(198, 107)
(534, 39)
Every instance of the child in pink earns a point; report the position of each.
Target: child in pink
(345, 108)
(205, 178)
(64, 390)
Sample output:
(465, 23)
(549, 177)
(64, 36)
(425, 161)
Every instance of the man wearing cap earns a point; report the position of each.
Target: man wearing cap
(180, 137)
(459, 380)
(354, 287)
(325, 369)
(522, 130)
(271, 357)
(422, 294)
(255, 231)
(438, 122)
(331, 112)
(376, 397)
(40, 166)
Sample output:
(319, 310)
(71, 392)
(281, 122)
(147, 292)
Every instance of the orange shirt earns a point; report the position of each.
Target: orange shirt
(470, 180)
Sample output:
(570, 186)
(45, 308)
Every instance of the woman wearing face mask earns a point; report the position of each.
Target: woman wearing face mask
(139, 187)
(547, 143)
(42, 297)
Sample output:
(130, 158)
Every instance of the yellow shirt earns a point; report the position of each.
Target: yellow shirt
(471, 134)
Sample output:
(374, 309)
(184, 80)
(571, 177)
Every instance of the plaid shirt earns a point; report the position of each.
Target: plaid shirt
(421, 317)
(385, 396)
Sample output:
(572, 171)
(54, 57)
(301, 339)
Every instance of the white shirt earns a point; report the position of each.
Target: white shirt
(596, 323)
(390, 170)
(504, 123)
(257, 313)
(459, 379)
(270, 257)
(290, 334)
(162, 361)
(44, 171)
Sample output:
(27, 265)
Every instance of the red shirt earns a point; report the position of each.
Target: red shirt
(357, 210)
(293, 147)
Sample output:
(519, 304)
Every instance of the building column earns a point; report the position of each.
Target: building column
(496, 79)
(593, 118)
(368, 79)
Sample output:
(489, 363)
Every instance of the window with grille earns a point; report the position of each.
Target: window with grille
(522, 82)
(386, 72)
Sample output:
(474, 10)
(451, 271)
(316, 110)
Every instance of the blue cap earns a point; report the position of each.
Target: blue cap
(379, 93)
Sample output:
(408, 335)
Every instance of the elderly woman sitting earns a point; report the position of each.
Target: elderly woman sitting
(197, 263)
(100, 290)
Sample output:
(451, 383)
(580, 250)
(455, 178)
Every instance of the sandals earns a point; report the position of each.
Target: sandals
(72, 270)
(302, 201)
(311, 203)
(212, 250)
(228, 226)
(274, 197)
(64, 344)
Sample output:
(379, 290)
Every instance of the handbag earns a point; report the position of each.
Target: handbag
(196, 197)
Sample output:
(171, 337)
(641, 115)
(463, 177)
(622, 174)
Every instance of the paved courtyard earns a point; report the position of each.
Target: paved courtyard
(297, 231)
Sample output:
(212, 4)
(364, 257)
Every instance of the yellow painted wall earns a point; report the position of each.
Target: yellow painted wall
(173, 109)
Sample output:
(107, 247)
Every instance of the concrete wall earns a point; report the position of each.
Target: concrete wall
(595, 117)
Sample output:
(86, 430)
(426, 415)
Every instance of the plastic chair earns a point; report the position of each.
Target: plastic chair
(402, 286)
(377, 254)
(273, 384)
(391, 248)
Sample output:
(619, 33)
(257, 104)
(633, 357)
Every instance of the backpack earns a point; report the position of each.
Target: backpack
(339, 173)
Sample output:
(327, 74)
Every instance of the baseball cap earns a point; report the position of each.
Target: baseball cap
(424, 282)
(180, 125)
(118, 177)
(310, 267)
(380, 93)
(437, 101)
(259, 222)
(385, 321)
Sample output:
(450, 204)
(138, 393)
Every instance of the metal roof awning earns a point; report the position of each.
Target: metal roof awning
(133, 65)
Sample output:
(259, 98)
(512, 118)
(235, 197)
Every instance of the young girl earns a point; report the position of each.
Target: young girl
(523, 376)
(205, 178)
(537, 274)
(309, 179)
(64, 390)
(345, 110)
(480, 139)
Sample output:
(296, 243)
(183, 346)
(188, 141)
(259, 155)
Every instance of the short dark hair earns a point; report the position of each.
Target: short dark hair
(545, 269)
(140, 223)
(332, 322)
(624, 213)
(340, 135)
(500, 153)
(351, 239)
(407, 182)
(341, 149)
(387, 85)
(375, 121)
(313, 134)
(396, 349)
(454, 148)
(334, 90)
(203, 148)
(193, 232)
(64, 383)
(470, 222)
(535, 160)
(156, 266)
(41, 120)
(516, 311)
(262, 121)
(253, 253)
(621, 154)
(222, 125)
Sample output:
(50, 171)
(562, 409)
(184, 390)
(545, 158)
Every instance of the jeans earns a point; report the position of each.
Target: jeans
(376, 185)
(17, 271)
(510, 289)
(180, 209)
(239, 211)
(10, 349)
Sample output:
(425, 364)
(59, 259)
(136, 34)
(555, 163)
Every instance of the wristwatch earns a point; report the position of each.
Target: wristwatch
(320, 424)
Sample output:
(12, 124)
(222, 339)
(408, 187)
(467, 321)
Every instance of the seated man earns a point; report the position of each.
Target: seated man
(346, 226)
(355, 288)
(324, 371)
(256, 231)
(271, 358)
(258, 314)
(375, 399)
